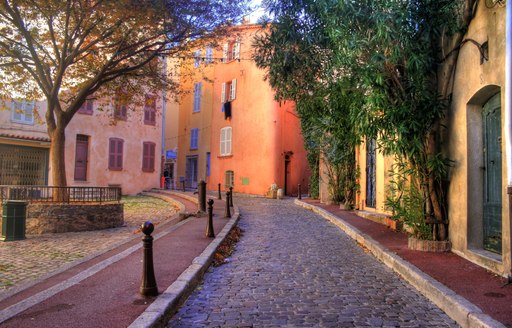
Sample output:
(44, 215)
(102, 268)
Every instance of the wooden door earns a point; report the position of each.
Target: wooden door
(492, 176)
(81, 154)
(371, 189)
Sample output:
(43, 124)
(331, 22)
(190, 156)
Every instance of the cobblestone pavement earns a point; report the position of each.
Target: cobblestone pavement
(292, 268)
(26, 260)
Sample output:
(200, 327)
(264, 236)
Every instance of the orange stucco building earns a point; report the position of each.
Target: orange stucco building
(232, 131)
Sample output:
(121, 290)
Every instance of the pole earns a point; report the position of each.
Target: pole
(148, 284)
(209, 227)
(201, 195)
(227, 213)
(220, 196)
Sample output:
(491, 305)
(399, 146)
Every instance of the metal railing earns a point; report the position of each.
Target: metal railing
(48, 194)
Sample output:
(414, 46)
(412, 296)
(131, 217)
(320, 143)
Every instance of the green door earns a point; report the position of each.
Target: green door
(492, 176)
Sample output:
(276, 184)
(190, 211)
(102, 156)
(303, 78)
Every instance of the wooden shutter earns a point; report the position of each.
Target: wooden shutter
(223, 141)
(150, 109)
(194, 134)
(197, 96)
(81, 154)
(148, 157)
(228, 141)
(115, 154)
(232, 93)
(237, 49)
(225, 53)
(223, 93)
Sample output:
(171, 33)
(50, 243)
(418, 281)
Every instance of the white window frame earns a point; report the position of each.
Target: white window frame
(224, 96)
(198, 86)
(22, 112)
(226, 141)
(229, 178)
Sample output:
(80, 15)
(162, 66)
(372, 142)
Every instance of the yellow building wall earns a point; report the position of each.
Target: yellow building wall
(475, 83)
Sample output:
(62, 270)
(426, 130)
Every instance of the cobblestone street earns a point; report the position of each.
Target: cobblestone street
(293, 268)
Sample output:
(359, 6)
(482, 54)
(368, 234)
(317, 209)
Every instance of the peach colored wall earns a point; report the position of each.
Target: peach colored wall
(133, 131)
(262, 130)
(99, 128)
(189, 120)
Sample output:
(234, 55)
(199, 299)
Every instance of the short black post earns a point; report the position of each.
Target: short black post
(231, 196)
(220, 196)
(299, 196)
(183, 184)
(209, 226)
(227, 213)
(148, 284)
(201, 195)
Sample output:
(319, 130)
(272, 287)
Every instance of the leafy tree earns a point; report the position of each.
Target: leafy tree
(67, 51)
(392, 63)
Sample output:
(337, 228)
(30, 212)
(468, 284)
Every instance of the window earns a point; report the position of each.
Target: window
(194, 136)
(81, 154)
(231, 51)
(197, 58)
(208, 164)
(22, 112)
(197, 97)
(148, 156)
(225, 141)
(115, 154)
(209, 55)
(120, 105)
(86, 107)
(228, 91)
(229, 179)
(150, 110)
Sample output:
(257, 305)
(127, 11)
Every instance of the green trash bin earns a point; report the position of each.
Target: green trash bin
(14, 218)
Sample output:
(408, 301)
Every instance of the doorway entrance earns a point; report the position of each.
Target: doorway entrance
(492, 202)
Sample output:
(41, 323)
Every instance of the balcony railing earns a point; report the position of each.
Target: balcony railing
(46, 194)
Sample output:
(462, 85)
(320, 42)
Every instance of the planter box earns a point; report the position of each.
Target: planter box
(429, 245)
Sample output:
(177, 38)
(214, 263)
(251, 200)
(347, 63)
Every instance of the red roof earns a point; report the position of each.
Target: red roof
(22, 137)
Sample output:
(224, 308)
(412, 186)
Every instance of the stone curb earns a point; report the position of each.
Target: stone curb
(455, 306)
(181, 194)
(37, 298)
(181, 207)
(163, 308)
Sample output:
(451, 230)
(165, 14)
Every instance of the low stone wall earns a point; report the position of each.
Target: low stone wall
(57, 218)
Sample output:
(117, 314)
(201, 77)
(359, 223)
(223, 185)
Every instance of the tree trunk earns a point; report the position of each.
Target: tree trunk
(57, 157)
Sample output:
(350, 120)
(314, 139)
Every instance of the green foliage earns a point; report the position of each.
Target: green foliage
(366, 69)
(407, 200)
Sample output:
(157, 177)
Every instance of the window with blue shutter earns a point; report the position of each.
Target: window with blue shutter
(194, 136)
(197, 97)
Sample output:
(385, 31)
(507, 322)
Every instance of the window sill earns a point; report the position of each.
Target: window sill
(115, 169)
(225, 156)
(148, 170)
(150, 123)
(22, 122)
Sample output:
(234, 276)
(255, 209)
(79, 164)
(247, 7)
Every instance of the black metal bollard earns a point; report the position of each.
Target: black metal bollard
(209, 227)
(299, 196)
(148, 284)
(220, 196)
(227, 213)
(201, 195)
(231, 196)
(183, 184)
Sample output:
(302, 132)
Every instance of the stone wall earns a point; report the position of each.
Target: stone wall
(57, 218)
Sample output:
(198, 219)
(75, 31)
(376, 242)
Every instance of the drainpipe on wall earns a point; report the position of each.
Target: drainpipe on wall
(164, 105)
(508, 109)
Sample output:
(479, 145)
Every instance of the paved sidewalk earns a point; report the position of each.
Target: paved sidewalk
(462, 289)
(27, 261)
(103, 292)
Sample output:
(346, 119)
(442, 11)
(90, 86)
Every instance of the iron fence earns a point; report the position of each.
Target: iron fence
(47, 194)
